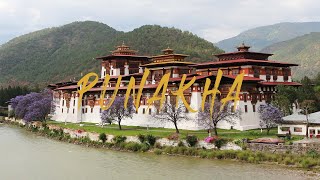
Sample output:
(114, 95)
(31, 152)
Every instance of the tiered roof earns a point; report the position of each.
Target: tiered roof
(242, 57)
(123, 51)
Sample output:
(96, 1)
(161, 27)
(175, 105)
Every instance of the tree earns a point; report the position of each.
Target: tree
(33, 106)
(171, 113)
(270, 116)
(211, 120)
(285, 97)
(117, 111)
(105, 118)
(307, 107)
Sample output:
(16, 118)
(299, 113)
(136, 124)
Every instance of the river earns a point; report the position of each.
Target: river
(24, 155)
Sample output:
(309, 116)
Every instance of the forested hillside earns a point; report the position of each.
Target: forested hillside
(304, 50)
(62, 53)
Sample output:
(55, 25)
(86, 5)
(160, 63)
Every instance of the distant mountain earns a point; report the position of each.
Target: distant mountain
(264, 36)
(303, 50)
(62, 53)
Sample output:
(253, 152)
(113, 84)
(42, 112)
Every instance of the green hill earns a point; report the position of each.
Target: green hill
(62, 53)
(303, 50)
(264, 36)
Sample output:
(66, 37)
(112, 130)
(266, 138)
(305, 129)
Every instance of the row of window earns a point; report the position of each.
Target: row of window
(253, 108)
(85, 110)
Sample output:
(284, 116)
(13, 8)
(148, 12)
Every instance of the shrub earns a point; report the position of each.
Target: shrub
(220, 142)
(191, 152)
(144, 147)
(175, 150)
(192, 140)
(119, 139)
(132, 146)
(151, 139)
(180, 144)
(141, 138)
(174, 136)
(157, 151)
(203, 154)
(312, 153)
(158, 145)
(211, 155)
(251, 159)
(230, 154)
(243, 155)
(182, 150)
(288, 161)
(308, 163)
(168, 149)
(121, 145)
(103, 137)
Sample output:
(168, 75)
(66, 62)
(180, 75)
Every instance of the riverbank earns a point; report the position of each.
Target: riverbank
(310, 161)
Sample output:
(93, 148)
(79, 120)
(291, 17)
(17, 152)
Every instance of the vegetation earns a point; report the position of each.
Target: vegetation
(192, 140)
(117, 111)
(270, 116)
(172, 113)
(306, 97)
(211, 120)
(33, 106)
(63, 53)
(103, 137)
(9, 92)
(303, 50)
(164, 132)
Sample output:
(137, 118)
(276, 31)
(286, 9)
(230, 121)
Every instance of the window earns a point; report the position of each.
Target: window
(297, 129)
(74, 102)
(62, 102)
(82, 111)
(91, 110)
(143, 111)
(111, 72)
(73, 111)
(256, 73)
(245, 108)
(245, 97)
(67, 110)
(285, 128)
(62, 110)
(86, 110)
(149, 111)
(100, 110)
(253, 107)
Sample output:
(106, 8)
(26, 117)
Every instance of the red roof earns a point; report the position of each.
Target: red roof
(130, 56)
(244, 62)
(280, 83)
(68, 87)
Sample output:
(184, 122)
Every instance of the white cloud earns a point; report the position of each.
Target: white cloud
(213, 20)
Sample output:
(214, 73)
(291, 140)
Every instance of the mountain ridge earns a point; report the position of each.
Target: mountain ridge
(67, 51)
(303, 50)
(264, 36)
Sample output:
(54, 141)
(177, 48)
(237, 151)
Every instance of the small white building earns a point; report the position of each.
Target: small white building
(297, 124)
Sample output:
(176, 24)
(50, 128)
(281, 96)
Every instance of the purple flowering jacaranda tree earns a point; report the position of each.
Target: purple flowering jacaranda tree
(269, 115)
(210, 120)
(33, 106)
(118, 112)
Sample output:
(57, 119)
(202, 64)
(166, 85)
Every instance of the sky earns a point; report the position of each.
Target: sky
(213, 20)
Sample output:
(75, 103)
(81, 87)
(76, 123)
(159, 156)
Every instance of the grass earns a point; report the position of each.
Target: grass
(164, 132)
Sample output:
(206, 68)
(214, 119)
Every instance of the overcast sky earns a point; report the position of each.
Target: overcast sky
(213, 20)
